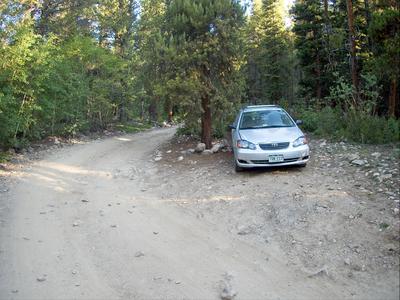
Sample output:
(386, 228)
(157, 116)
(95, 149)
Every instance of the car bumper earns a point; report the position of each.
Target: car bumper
(246, 158)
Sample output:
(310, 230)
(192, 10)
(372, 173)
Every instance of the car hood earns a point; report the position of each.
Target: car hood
(270, 135)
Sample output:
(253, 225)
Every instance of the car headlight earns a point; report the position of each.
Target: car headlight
(246, 145)
(300, 141)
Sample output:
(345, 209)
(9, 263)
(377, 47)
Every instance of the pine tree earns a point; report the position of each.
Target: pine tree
(269, 63)
(207, 41)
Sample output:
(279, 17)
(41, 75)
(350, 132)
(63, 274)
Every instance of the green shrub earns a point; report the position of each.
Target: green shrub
(352, 125)
(364, 128)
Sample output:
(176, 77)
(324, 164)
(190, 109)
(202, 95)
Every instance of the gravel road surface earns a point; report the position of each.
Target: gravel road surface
(105, 220)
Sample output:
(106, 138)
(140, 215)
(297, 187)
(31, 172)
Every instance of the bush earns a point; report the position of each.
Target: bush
(364, 128)
(351, 125)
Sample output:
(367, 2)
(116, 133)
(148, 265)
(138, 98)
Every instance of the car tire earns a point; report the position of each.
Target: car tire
(238, 168)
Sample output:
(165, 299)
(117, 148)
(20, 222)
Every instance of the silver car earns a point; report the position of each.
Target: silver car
(266, 135)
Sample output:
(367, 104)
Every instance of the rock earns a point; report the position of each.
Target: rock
(85, 200)
(228, 293)
(243, 230)
(75, 224)
(41, 279)
(190, 151)
(352, 157)
(207, 152)
(358, 268)
(200, 147)
(139, 254)
(376, 154)
(358, 162)
(180, 158)
(157, 158)
(225, 143)
(14, 291)
(113, 226)
(395, 211)
(390, 248)
(3, 167)
(347, 261)
(216, 148)
(57, 141)
(323, 143)
(322, 272)
(385, 177)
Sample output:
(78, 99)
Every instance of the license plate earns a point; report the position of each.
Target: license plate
(275, 158)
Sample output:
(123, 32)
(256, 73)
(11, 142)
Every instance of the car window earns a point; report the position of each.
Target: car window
(265, 119)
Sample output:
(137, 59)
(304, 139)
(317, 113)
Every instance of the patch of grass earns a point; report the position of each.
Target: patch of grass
(132, 128)
(4, 157)
(383, 225)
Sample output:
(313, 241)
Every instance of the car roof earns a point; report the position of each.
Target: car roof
(261, 107)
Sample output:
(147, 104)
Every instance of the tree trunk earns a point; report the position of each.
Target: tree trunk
(393, 97)
(328, 30)
(206, 121)
(170, 114)
(352, 37)
(153, 110)
(318, 73)
(368, 21)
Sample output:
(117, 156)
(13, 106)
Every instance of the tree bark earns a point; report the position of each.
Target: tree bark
(153, 110)
(393, 97)
(328, 30)
(318, 73)
(353, 53)
(368, 21)
(206, 121)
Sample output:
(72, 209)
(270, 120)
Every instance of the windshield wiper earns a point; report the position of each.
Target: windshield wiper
(261, 127)
(276, 126)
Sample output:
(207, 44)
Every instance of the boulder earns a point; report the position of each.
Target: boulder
(200, 147)
(207, 152)
(216, 148)
(358, 162)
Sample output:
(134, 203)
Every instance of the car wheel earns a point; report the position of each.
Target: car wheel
(238, 168)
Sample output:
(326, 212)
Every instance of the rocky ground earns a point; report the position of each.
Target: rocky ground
(145, 216)
(337, 218)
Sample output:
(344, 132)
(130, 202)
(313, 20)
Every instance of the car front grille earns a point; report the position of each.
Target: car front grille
(274, 146)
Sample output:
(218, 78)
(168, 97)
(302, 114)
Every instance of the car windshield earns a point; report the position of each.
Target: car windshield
(265, 119)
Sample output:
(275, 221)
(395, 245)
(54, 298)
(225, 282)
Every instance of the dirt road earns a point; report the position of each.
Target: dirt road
(103, 220)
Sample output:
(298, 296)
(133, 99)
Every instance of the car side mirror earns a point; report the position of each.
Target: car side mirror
(299, 122)
(231, 126)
